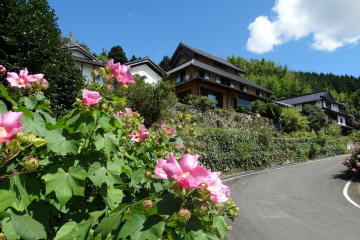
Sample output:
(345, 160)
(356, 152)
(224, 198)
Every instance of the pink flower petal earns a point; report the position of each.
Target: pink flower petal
(172, 167)
(189, 162)
(201, 175)
(159, 171)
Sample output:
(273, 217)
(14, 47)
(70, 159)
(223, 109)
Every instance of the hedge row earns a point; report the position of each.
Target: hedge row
(229, 150)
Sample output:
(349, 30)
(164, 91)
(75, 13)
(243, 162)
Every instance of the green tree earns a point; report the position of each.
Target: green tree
(315, 115)
(164, 64)
(133, 58)
(103, 56)
(118, 54)
(272, 111)
(293, 121)
(29, 37)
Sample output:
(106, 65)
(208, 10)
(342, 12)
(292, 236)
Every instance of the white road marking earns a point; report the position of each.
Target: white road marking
(345, 192)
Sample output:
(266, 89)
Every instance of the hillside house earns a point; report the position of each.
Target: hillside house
(146, 67)
(199, 73)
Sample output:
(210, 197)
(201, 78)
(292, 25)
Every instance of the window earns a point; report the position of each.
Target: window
(233, 103)
(232, 84)
(243, 88)
(259, 93)
(245, 102)
(341, 120)
(204, 74)
(218, 80)
(213, 95)
(328, 105)
(182, 95)
(180, 76)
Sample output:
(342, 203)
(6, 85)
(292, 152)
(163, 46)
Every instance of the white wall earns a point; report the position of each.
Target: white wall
(86, 70)
(343, 120)
(319, 103)
(144, 70)
(78, 54)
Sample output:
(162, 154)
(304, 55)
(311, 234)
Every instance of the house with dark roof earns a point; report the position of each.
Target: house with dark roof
(146, 67)
(199, 73)
(85, 61)
(324, 100)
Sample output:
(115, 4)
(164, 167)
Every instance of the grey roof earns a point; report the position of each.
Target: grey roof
(310, 97)
(217, 71)
(98, 63)
(281, 103)
(92, 59)
(147, 60)
(195, 50)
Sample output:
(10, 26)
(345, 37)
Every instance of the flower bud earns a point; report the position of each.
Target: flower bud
(202, 208)
(95, 106)
(237, 208)
(148, 205)
(84, 109)
(2, 235)
(184, 215)
(39, 142)
(38, 82)
(229, 228)
(136, 115)
(188, 150)
(104, 105)
(14, 146)
(28, 86)
(129, 136)
(194, 124)
(205, 195)
(122, 86)
(14, 171)
(102, 71)
(2, 70)
(44, 86)
(110, 109)
(235, 215)
(187, 120)
(19, 135)
(171, 121)
(121, 104)
(47, 102)
(178, 188)
(108, 88)
(106, 78)
(177, 148)
(15, 108)
(107, 69)
(123, 138)
(31, 163)
(151, 165)
(94, 73)
(190, 144)
(179, 127)
(29, 137)
(191, 130)
(229, 202)
(180, 115)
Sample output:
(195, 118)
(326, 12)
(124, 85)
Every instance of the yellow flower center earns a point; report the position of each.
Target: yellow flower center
(184, 175)
(212, 188)
(3, 132)
(21, 81)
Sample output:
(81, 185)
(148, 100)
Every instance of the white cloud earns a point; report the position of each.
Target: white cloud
(332, 23)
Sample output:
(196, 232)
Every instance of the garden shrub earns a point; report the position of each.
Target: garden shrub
(292, 121)
(152, 101)
(315, 115)
(333, 129)
(242, 108)
(352, 161)
(272, 111)
(97, 173)
(257, 106)
(201, 102)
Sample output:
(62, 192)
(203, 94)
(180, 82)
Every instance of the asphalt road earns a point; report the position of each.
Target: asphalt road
(303, 201)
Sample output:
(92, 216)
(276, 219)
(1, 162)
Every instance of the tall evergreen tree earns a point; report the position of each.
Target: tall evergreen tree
(164, 64)
(118, 54)
(133, 58)
(30, 37)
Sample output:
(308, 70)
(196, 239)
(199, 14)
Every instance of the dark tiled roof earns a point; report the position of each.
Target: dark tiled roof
(91, 59)
(309, 97)
(98, 63)
(195, 50)
(147, 60)
(217, 71)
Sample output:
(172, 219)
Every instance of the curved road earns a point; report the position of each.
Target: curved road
(303, 201)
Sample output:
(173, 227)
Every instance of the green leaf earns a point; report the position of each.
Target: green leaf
(168, 205)
(40, 212)
(30, 102)
(5, 94)
(3, 108)
(28, 228)
(17, 185)
(85, 124)
(39, 96)
(220, 224)
(47, 117)
(158, 187)
(113, 196)
(35, 125)
(193, 224)
(7, 198)
(56, 140)
(65, 229)
(104, 121)
(119, 98)
(66, 184)
(9, 231)
(111, 222)
(108, 141)
(109, 174)
(178, 141)
(4, 214)
(138, 227)
(201, 235)
(137, 175)
(26, 112)
(97, 114)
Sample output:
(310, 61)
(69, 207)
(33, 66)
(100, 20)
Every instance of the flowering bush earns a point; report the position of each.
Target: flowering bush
(352, 162)
(97, 173)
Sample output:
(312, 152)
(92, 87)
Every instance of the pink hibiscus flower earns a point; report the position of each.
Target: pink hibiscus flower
(169, 131)
(2, 70)
(110, 63)
(9, 125)
(90, 97)
(188, 172)
(159, 171)
(20, 80)
(358, 164)
(41, 77)
(353, 169)
(219, 192)
(127, 111)
(141, 135)
(120, 72)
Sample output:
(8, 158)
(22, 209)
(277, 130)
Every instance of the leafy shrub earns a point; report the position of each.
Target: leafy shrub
(292, 121)
(242, 108)
(257, 106)
(352, 162)
(315, 115)
(97, 173)
(152, 101)
(200, 102)
(272, 111)
(333, 129)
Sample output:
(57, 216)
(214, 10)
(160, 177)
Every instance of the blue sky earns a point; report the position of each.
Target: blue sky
(306, 35)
